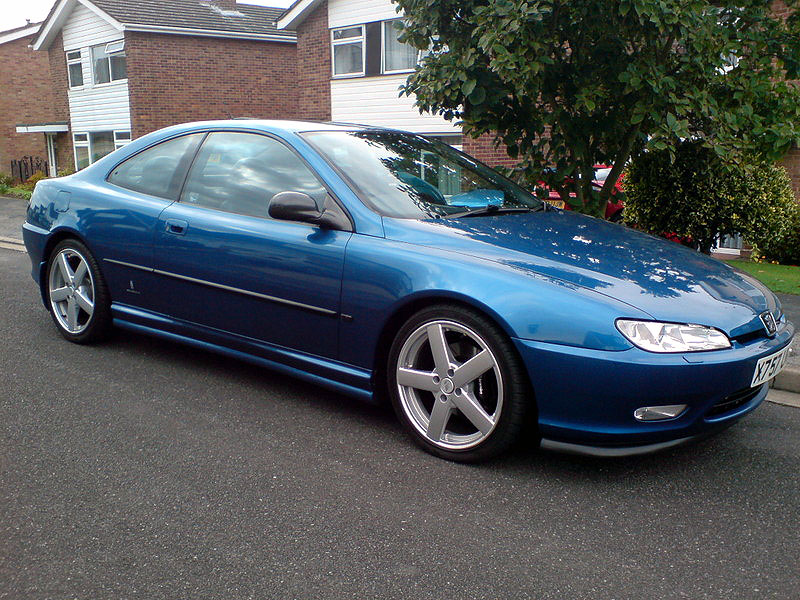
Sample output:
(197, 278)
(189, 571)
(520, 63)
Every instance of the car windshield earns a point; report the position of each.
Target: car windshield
(409, 176)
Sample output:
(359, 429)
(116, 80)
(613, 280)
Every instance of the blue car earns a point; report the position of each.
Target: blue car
(390, 266)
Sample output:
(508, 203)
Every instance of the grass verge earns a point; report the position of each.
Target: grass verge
(784, 279)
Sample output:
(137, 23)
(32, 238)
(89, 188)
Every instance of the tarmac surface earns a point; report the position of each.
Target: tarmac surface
(144, 469)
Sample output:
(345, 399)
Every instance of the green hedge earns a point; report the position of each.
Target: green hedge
(697, 196)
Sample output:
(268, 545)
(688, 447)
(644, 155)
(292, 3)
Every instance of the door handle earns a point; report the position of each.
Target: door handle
(176, 226)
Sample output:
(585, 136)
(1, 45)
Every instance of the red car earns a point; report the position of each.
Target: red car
(601, 172)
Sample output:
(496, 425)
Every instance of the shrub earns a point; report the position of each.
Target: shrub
(65, 172)
(6, 180)
(30, 184)
(700, 197)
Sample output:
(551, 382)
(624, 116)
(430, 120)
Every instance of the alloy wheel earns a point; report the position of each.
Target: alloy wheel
(71, 291)
(450, 384)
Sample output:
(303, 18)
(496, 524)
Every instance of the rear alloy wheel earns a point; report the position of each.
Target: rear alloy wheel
(457, 384)
(77, 293)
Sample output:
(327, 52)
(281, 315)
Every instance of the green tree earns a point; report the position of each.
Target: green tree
(572, 83)
(698, 196)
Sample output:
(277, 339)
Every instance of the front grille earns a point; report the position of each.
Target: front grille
(734, 401)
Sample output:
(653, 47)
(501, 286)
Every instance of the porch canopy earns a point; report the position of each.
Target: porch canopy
(55, 127)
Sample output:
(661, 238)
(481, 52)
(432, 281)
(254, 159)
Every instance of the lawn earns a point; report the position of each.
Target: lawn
(15, 192)
(779, 278)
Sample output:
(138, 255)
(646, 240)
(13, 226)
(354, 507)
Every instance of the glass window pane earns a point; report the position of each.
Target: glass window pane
(75, 75)
(100, 62)
(76, 55)
(347, 58)
(81, 157)
(119, 68)
(115, 46)
(408, 176)
(351, 32)
(101, 143)
(397, 56)
(241, 172)
(158, 171)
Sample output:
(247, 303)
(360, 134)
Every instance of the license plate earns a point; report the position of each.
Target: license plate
(557, 203)
(769, 366)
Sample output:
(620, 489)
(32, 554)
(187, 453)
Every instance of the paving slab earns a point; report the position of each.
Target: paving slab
(783, 397)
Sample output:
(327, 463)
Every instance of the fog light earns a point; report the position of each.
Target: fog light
(658, 413)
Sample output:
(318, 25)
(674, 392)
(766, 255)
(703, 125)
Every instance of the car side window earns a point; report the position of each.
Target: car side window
(240, 172)
(159, 170)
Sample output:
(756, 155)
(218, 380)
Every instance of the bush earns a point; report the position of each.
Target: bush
(700, 197)
(6, 180)
(785, 251)
(30, 184)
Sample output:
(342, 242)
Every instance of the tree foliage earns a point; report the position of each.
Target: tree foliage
(698, 196)
(573, 83)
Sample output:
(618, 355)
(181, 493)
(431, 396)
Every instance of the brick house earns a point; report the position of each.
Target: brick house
(122, 68)
(352, 65)
(26, 97)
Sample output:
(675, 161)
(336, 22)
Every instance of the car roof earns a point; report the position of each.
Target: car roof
(282, 125)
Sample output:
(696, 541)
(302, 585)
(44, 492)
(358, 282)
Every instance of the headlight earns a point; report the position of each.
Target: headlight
(672, 337)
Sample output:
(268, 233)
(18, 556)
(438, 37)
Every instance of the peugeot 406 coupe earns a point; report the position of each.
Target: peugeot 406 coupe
(384, 264)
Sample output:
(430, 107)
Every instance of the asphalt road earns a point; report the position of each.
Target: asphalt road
(143, 469)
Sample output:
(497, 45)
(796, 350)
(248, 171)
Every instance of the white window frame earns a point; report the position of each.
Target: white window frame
(110, 48)
(83, 143)
(728, 251)
(120, 140)
(75, 61)
(384, 71)
(86, 142)
(353, 40)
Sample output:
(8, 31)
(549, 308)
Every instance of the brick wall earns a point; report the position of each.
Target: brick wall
(484, 150)
(175, 78)
(25, 97)
(314, 65)
(792, 164)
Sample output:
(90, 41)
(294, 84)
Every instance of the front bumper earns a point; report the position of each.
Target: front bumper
(586, 398)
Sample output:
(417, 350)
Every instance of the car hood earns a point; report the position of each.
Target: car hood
(664, 279)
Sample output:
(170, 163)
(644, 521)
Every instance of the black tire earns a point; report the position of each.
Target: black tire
(88, 327)
(503, 390)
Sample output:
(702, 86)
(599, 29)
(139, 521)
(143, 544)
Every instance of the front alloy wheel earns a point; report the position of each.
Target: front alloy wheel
(457, 384)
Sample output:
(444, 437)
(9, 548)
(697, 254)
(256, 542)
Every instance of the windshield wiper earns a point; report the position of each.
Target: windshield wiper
(492, 209)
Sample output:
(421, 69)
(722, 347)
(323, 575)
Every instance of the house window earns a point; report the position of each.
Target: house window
(75, 69)
(108, 62)
(121, 138)
(80, 141)
(348, 51)
(397, 56)
(91, 147)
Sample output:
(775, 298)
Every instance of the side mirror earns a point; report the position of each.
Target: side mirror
(294, 206)
(297, 206)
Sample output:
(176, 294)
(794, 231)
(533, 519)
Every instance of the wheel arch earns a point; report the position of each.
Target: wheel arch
(409, 306)
(56, 237)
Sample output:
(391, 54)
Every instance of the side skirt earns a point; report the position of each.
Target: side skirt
(331, 374)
